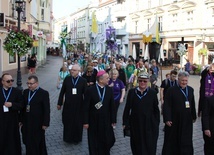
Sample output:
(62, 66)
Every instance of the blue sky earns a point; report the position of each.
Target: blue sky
(66, 7)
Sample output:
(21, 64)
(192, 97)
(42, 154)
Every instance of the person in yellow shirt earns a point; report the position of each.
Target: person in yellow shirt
(138, 70)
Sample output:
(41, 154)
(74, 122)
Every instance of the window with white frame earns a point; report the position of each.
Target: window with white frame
(213, 12)
(148, 23)
(23, 13)
(100, 28)
(149, 4)
(12, 58)
(137, 4)
(42, 14)
(160, 23)
(174, 1)
(174, 18)
(190, 17)
(136, 27)
(160, 2)
(42, 4)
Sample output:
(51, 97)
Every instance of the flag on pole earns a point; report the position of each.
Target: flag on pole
(63, 36)
(146, 54)
(157, 35)
(134, 52)
(94, 26)
(161, 54)
(153, 32)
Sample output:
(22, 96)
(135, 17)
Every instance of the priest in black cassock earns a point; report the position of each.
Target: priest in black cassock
(11, 103)
(142, 114)
(35, 117)
(179, 114)
(206, 86)
(71, 97)
(208, 125)
(99, 116)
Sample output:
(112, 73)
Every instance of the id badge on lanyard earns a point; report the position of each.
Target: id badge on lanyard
(187, 104)
(6, 109)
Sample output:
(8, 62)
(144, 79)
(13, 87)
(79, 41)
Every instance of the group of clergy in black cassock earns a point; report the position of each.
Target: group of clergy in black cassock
(30, 111)
(93, 107)
(206, 108)
(89, 107)
(141, 113)
(179, 114)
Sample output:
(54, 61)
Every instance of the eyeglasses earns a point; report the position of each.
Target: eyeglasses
(8, 81)
(28, 83)
(144, 81)
(89, 71)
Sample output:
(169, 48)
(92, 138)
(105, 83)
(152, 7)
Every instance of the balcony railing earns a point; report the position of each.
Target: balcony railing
(120, 28)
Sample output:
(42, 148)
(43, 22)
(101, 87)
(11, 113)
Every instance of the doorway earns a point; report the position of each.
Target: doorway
(137, 47)
(154, 50)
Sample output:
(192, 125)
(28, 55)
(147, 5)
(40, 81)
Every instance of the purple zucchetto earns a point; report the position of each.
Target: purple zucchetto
(101, 72)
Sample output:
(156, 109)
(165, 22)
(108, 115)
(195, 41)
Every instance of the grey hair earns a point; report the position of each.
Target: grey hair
(77, 66)
(183, 74)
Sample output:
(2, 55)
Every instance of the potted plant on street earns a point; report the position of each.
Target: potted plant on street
(18, 41)
(202, 53)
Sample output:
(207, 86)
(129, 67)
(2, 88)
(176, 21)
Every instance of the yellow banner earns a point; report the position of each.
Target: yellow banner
(147, 39)
(35, 43)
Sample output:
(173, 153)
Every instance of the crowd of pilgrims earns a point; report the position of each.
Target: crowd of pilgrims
(91, 88)
(127, 68)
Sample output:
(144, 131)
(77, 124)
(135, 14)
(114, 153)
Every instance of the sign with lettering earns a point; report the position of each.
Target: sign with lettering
(2, 19)
(40, 34)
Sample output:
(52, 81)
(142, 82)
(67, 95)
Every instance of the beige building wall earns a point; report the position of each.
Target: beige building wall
(58, 24)
(34, 18)
(190, 19)
(10, 20)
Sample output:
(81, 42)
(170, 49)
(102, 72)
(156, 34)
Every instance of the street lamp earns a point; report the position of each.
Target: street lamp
(19, 9)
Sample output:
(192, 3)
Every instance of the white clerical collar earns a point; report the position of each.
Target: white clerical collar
(100, 85)
(6, 88)
(35, 89)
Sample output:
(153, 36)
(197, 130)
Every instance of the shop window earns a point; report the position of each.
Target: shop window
(12, 59)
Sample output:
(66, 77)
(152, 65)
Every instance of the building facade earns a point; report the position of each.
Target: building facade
(36, 18)
(176, 19)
